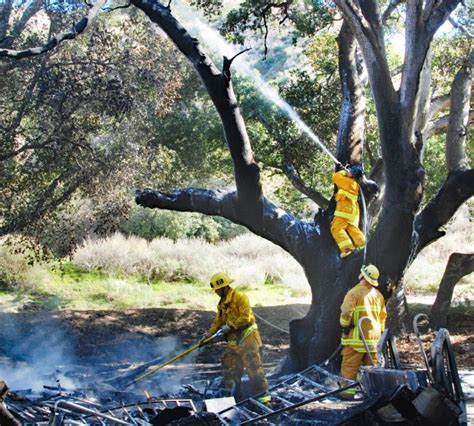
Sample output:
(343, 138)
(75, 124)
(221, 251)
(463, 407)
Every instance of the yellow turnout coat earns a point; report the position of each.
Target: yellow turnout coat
(363, 300)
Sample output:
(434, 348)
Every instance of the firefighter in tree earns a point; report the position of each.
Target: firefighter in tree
(243, 351)
(345, 225)
(363, 300)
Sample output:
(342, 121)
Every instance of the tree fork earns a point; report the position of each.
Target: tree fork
(458, 266)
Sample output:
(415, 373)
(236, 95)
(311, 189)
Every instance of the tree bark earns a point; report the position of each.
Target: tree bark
(399, 315)
(351, 133)
(458, 266)
(458, 118)
(314, 337)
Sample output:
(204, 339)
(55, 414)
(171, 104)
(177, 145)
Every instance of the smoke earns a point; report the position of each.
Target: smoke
(34, 353)
(168, 380)
(41, 349)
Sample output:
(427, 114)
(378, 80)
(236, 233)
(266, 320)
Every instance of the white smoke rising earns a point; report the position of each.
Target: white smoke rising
(34, 354)
(39, 349)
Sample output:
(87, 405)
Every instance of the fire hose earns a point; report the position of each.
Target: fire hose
(153, 370)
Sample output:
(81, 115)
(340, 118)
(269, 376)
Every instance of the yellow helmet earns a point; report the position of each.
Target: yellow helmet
(220, 280)
(371, 274)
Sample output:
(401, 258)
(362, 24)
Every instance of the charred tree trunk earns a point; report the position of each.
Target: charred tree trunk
(458, 266)
(392, 247)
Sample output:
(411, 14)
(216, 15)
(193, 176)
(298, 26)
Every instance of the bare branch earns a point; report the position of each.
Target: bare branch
(123, 6)
(278, 226)
(300, 185)
(461, 27)
(57, 39)
(441, 125)
(458, 188)
(228, 62)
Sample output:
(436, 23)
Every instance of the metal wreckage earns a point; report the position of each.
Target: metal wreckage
(386, 395)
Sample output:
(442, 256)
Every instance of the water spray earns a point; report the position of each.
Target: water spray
(222, 47)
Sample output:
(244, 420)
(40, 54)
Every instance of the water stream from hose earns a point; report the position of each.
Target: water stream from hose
(219, 45)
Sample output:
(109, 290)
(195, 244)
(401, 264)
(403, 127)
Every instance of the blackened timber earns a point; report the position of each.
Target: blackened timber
(262, 407)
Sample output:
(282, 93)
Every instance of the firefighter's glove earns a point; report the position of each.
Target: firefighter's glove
(346, 330)
(225, 329)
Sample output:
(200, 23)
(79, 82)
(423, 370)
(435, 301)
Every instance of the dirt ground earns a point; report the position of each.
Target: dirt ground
(98, 334)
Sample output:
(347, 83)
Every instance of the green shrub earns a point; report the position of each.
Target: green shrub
(150, 224)
(250, 260)
(17, 269)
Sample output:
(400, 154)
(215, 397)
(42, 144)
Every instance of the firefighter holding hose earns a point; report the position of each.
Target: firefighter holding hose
(345, 225)
(363, 300)
(243, 351)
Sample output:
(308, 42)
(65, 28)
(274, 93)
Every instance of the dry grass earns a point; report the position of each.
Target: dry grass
(425, 274)
(250, 260)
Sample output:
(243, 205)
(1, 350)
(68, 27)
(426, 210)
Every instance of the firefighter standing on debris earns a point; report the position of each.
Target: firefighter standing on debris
(345, 225)
(363, 300)
(6, 418)
(243, 351)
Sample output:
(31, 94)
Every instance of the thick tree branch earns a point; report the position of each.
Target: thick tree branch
(456, 156)
(392, 5)
(300, 185)
(438, 104)
(278, 226)
(423, 100)
(436, 13)
(441, 125)
(219, 87)
(351, 132)
(459, 265)
(421, 25)
(57, 39)
(458, 188)
(365, 23)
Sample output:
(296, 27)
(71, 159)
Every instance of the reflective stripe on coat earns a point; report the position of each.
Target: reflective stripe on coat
(347, 195)
(235, 311)
(363, 300)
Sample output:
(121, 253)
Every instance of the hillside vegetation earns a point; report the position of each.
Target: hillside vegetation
(120, 272)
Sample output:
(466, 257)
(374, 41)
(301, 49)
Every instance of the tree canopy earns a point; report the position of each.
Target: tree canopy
(121, 109)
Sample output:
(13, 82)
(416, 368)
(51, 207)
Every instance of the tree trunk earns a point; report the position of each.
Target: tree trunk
(399, 320)
(393, 245)
(458, 266)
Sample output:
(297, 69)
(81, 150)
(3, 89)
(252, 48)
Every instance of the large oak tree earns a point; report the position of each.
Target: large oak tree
(403, 227)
